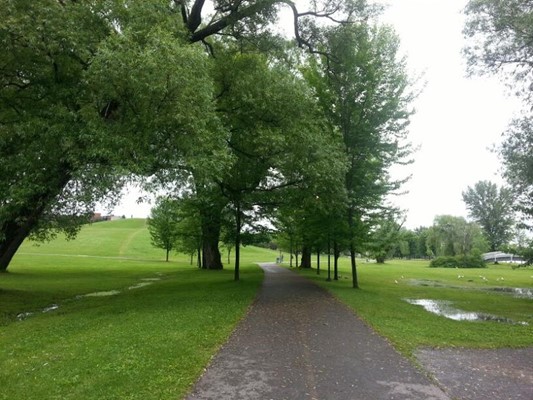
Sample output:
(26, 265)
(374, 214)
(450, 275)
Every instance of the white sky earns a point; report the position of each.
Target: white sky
(457, 120)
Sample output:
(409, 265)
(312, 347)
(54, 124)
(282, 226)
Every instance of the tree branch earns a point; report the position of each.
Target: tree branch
(195, 16)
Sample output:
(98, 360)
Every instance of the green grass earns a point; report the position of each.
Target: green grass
(379, 301)
(148, 342)
(154, 341)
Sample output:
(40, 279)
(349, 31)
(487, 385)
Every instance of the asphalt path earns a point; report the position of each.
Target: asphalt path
(298, 342)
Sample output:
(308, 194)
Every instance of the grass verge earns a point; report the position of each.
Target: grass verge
(146, 342)
(380, 302)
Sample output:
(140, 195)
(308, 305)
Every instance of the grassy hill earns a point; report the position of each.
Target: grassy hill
(104, 316)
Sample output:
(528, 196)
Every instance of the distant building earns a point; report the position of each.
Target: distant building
(500, 256)
(97, 217)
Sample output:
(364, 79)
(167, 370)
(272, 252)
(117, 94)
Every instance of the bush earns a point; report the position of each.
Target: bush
(471, 261)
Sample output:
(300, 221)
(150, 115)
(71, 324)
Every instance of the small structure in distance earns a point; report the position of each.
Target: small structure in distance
(500, 256)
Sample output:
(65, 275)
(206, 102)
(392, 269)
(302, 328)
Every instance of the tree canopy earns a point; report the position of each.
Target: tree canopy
(499, 42)
(491, 208)
(203, 100)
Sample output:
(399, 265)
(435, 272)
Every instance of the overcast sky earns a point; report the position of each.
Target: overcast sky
(457, 119)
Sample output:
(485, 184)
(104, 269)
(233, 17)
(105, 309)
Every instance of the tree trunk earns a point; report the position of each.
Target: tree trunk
(21, 223)
(306, 257)
(237, 241)
(168, 251)
(336, 255)
(355, 283)
(199, 257)
(211, 258)
(318, 261)
(290, 252)
(13, 237)
(329, 261)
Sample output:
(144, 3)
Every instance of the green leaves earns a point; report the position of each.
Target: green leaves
(491, 208)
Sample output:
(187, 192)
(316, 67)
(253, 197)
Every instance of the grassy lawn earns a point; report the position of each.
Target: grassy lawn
(150, 341)
(157, 324)
(380, 302)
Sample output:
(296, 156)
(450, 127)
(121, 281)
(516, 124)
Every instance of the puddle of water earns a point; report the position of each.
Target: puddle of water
(444, 308)
(99, 294)
(140, 285)
(524, 293)
(50, 308)
(53, 307)
(24, 315)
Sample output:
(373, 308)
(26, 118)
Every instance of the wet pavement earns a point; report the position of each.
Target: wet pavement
(501, 374)
(298, 342)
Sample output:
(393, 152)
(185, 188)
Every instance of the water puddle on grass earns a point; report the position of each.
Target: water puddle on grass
(444, 308)
(99, 294)
(26, 315)
(523, 293)
(140, 285)
(53, 307)
(145, 282)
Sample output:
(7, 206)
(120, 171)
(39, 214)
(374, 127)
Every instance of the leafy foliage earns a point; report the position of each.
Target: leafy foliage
(384, 238)
(500, 35)
(491, 208)
(461, 261)
(451, 236)
(163, 224)
(516, 153)
(363, 90)
(500, 40)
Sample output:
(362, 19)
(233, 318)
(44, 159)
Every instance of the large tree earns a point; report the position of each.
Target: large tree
(250, 18)
(491, 208)
(384, 238)
(364, 92)
(516, 152)
(499, 34)
(90, 92)
(500, 43)
(276, 141)
(451, 236)
(48, 163)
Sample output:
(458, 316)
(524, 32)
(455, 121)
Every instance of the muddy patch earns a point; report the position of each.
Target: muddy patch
(444, 308)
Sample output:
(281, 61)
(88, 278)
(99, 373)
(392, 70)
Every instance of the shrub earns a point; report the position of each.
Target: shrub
(470, 261)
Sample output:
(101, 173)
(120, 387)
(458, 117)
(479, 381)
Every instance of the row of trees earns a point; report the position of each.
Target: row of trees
(210, 103)
(235, 123)
(493, 227)
(213, 107)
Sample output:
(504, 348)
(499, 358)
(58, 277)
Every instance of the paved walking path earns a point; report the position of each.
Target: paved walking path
(298, 342)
